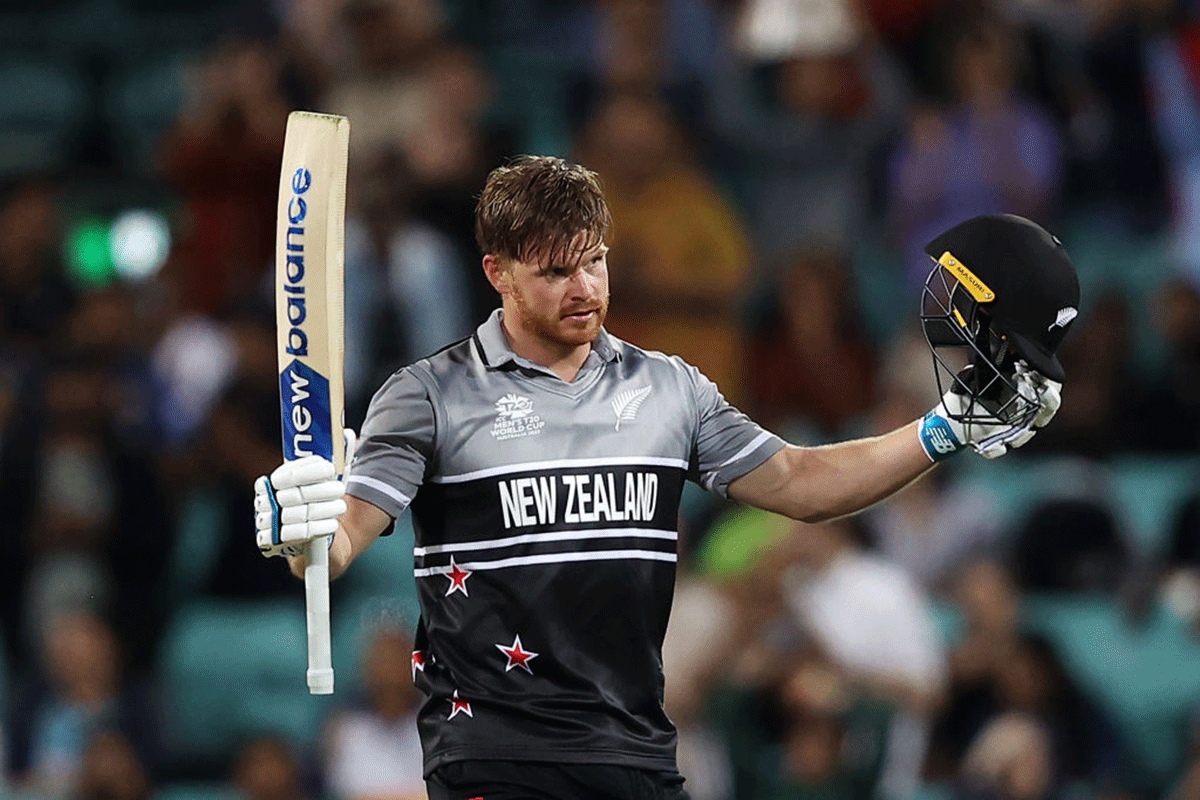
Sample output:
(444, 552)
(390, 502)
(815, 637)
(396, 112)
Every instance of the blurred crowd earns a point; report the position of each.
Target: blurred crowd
(1023, 630)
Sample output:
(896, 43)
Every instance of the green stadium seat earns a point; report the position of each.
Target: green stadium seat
(1149, 493)
(42, 101)
(1143, 672)
(933, 791)
(233, 669)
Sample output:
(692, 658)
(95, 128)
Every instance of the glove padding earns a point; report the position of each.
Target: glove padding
(299, 502)
(941, 435)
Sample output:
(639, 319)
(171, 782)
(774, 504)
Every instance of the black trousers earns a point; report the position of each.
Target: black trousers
(536, 780)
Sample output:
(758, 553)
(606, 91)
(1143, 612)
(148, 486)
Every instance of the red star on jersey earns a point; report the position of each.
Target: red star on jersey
(457, 705)
(517, 655)
(458, 579)
(418, 662)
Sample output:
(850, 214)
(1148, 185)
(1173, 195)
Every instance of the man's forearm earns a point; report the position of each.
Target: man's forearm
(814, 484)
(847, 477)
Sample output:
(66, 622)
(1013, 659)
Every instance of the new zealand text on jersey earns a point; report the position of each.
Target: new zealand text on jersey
(596, 497)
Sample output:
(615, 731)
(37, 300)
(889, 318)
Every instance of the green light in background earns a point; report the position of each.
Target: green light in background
(89, 257)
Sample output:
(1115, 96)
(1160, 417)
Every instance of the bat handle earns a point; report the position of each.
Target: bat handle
(316, 595)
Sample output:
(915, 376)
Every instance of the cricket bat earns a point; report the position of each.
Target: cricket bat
(309, 261)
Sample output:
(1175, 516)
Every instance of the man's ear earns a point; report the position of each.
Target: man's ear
(498, 272)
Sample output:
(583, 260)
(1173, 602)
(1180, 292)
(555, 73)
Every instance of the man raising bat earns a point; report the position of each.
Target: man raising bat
(543, 461)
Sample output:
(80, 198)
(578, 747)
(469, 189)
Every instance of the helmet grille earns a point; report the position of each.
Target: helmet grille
(971, 356)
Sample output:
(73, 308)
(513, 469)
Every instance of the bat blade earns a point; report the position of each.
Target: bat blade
(309, 290)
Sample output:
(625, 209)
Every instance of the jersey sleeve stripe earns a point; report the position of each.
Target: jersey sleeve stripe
(566, 463)
(547, 558)
(551, 536)
(755, 443)
(381, 487)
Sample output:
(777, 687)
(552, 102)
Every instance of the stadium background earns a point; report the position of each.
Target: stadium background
(1020, 629)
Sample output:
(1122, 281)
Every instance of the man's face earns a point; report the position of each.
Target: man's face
(559, 303)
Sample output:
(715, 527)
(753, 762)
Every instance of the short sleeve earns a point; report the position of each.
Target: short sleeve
(395, 444)
(728, 443)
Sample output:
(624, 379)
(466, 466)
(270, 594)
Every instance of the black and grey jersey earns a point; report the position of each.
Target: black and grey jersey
(546, 530)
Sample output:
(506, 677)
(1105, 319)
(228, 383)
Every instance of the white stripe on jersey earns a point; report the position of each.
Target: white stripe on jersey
(380, 486)
(568, 463)
(548, 558)
(747, 450)
(551, 536)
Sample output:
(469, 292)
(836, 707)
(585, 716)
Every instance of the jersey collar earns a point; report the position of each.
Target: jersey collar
(496, 353)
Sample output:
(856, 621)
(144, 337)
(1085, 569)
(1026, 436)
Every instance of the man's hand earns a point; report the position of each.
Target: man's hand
(942, 435)
(300, 501)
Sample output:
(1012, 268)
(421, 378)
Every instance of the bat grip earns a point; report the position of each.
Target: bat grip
(316, 595)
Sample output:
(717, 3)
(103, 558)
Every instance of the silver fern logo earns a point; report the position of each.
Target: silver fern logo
(1065, 315)
(626, 404)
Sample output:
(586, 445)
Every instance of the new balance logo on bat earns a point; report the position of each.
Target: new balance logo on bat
(626, 404)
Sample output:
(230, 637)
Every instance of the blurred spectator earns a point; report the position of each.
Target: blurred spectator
(112, 770)
(998, 669)
(877, 627)
(938, 522)
(1179, 584)
(1102, 383)
(416, 98)
(192, 362)
(35, 295)
(372, 752)
(834, 743)
(222, 159)
(990, 603)
(64, 706)
(1169, 404)
(804, 733)
(1071, 544)
(266, 768)
(19, 426)
(812, 368)
(239, 443)
(679, 254)
(802, 104)
(1172, 75)
(1187, 785)
(911, 31)
(409, 287)
(1009, 760)
(1106, 104)
(695, 658)
(990, 151)
(99, 528)
(662, 47)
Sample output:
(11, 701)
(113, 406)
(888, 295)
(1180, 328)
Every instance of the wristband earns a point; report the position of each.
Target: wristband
(937, 437)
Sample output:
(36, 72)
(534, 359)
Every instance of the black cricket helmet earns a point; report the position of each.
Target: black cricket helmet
(1002, 290)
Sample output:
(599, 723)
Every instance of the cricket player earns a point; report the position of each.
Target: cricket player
(543, 461)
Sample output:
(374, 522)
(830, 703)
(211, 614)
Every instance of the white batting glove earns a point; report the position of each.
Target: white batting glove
(942, 435)
(299, 502)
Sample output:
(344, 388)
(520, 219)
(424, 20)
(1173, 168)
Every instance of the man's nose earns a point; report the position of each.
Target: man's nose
(584, 284)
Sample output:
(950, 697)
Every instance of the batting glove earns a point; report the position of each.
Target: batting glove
(942, 435)
(300, 501)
